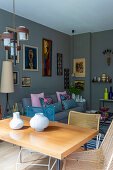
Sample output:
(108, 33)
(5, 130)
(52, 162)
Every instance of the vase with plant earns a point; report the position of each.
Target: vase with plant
(74, 91)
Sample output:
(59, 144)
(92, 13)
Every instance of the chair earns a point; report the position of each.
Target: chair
(49, 112)
(100, 159)
(88, 121)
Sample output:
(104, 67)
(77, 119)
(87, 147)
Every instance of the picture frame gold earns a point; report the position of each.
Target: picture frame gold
(79, 84)
(8, 52)
(26, 82)
(30, 64)
(79, 67)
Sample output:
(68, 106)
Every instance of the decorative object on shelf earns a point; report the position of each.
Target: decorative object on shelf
(16, 77)
(80, 84)
(16, 122)
(104, 78)
(108, 53)
(10, 38)
(10, 52)
(30, 58)
(106, 94)
(39, 122)
(59, 64)
(110, 93)
(66, 78)
(15, 107)
(79, 67)
(46, 57)
(7, 85)
(26, 82)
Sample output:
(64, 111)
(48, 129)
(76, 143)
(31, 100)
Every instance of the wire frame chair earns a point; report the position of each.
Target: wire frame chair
(49, 112)
(100, 159)
(88, 121)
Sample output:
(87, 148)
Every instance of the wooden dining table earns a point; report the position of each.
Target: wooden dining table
(58, 140)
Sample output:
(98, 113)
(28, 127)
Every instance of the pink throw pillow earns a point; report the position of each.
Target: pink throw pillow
(35, 99)
(58, 95)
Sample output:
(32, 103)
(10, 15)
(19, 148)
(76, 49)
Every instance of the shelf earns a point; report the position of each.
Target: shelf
(101, 81)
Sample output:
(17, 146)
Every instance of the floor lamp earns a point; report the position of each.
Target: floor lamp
(7, 85)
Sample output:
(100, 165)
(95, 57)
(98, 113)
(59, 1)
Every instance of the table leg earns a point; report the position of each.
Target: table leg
(85, 146)
(58, 164)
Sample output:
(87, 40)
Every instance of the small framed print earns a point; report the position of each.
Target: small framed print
(16, 77)
(59, 64)
(8, 52)
(30, 58)
(79, 67)
(26, 82)
(80, 84)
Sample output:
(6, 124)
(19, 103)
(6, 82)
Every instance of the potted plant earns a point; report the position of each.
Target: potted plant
(74, 91)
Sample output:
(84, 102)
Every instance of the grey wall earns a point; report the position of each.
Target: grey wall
(91, 46)
(82, 50)
(61, 44)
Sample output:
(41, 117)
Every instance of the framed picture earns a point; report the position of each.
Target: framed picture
(79, 67)
(79, 84)
(16, 77)
(30, 58)
(59, 64)
(46, 57)
(8, 52)
(26, 82)
(66, 78)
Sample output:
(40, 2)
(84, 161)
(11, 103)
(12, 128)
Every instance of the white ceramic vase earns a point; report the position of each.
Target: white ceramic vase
(39, 122)
(16, 122)
(73, 96)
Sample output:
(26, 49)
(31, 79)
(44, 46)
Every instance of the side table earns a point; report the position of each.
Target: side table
(82, 104)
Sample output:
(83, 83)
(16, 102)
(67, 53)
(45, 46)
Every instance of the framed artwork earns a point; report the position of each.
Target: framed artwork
(59, 64)
(16, 77)
(79, 67)
(8, 52)
(79, 84)
(26, 82)
(30, 58)
(66, 78)
(46, 57)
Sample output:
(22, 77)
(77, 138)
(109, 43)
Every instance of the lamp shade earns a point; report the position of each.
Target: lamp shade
(7, 85)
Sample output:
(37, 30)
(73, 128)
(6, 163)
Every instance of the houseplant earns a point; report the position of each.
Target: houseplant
(74, 91)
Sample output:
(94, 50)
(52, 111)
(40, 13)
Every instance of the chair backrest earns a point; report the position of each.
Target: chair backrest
(84, 120)
(49, 112)
(106, 148)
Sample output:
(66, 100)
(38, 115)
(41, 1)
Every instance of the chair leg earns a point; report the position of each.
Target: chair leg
(98, 140)
(85, 146)
(49, 163)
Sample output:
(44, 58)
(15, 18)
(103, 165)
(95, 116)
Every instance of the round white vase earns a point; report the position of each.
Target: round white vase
(16, 122)
(39, 122)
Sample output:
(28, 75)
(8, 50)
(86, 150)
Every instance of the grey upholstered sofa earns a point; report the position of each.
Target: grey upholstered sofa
(60, 116)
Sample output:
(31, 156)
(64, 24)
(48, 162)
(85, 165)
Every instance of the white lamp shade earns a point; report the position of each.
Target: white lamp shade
(7, 85)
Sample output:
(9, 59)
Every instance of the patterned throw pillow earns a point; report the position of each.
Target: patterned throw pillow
(46, 100)
(58, 106)
(65, 97)
(69, 104)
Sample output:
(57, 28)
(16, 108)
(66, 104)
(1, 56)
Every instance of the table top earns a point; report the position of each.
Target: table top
(109, 100)
(58, 140)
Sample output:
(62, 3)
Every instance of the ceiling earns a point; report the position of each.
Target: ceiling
(65, 15)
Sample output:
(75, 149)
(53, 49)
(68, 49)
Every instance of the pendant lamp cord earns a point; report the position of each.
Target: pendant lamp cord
(14, 14)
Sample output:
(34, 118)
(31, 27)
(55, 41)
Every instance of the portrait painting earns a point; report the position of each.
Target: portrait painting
(79, 67)
(8, 52)
(26, 82)
(46, 57)
(30, 58)
(80, 84)
(16, 77)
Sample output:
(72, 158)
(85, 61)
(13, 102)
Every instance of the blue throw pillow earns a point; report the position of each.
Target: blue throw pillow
(58, 106)
(69, 104)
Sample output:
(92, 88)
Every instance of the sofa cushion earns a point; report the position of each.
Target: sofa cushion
(46, 100)
(58, 107)
(35, 99)
(54, 98)
(68, 104)
(58, 95)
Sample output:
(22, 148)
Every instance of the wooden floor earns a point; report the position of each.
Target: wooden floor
(9, 154)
